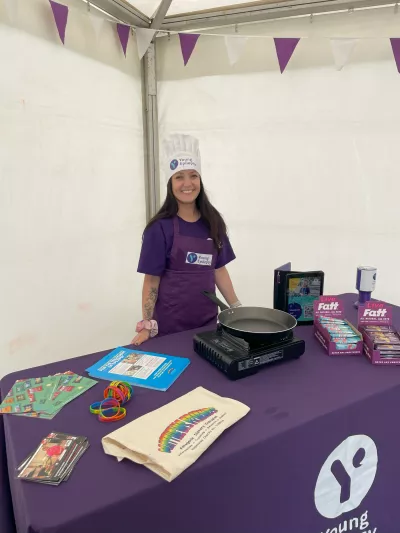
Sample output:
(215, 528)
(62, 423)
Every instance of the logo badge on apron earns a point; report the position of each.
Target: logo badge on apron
(199, 259)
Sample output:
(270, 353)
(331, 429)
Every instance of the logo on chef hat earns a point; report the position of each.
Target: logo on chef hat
(346, 476)
(174, 164)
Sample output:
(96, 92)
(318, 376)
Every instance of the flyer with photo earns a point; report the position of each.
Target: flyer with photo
(144, 369)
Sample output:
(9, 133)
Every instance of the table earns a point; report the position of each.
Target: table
(259, 477)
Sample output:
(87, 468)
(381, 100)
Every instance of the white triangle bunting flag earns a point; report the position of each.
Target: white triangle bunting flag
(11, 9)
(143, 40)
(97, 24)
(342, 50)
(235, 48)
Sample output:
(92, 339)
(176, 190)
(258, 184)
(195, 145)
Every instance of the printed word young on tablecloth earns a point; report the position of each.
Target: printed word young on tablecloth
(54, 460)
(170, 439)
(144, 369)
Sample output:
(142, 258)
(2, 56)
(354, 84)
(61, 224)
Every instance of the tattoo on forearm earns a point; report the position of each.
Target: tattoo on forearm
(150, 303)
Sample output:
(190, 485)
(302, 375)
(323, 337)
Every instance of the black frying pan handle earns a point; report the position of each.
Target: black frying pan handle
(216, 300)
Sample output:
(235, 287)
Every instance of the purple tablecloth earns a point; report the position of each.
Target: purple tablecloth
(7, 524)
(259, 477)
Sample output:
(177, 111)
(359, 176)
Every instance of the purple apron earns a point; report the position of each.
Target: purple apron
(191, 269)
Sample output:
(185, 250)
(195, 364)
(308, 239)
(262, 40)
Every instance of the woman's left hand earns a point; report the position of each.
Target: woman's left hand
(141, 337)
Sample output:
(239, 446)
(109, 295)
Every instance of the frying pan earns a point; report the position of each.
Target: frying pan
(255, 324)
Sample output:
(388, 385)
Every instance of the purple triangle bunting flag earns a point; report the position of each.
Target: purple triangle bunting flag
(60, 13)
(188, 42)
(123, 34)
(395, 42)
(285, 46)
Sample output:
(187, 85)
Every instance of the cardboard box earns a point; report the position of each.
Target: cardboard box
(375, 314)
(331, 306)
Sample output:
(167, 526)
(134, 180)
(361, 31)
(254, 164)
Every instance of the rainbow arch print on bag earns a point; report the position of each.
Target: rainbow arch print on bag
(178, 429)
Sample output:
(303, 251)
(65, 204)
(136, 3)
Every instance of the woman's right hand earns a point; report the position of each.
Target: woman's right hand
(141, 337)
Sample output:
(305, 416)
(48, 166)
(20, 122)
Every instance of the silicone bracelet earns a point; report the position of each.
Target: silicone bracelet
(117, 411)
(96, 407)
(115, 395)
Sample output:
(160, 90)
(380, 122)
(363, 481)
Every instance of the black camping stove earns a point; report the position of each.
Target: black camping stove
(237, 358)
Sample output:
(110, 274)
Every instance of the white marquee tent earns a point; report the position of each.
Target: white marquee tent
(303, 165)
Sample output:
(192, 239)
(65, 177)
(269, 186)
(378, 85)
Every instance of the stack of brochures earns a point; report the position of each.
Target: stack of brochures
(44, 397)
(54, 459)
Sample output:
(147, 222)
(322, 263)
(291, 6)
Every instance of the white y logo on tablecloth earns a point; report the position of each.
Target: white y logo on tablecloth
(346, 476)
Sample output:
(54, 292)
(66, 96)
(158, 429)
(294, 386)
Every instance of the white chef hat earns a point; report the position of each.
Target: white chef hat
(181, 153)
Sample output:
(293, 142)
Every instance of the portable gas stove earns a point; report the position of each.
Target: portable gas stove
(237, 358)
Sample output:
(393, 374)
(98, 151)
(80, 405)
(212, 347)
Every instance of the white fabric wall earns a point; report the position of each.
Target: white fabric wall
(72, 204)
(305, 165)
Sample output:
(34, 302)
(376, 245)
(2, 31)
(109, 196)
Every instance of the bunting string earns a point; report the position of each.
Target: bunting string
(342, 48)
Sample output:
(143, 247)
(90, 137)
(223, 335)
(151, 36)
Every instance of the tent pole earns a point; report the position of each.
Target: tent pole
(150, 115)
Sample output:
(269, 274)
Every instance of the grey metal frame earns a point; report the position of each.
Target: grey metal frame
(260, 11)
(150, 116)
(150, 129)
(124, 12)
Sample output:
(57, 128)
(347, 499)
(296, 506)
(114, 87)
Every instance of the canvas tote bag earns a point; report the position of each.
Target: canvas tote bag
(170, 439)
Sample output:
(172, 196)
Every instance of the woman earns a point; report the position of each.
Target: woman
(185, 251)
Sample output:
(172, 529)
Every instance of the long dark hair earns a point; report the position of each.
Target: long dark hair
(212, 218)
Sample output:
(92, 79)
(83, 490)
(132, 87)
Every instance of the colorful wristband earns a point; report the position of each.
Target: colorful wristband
(111, 414)
(115, 395)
